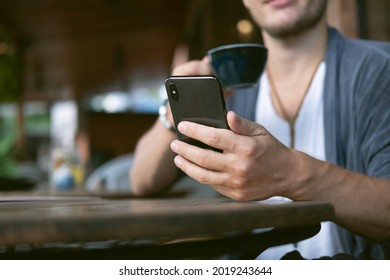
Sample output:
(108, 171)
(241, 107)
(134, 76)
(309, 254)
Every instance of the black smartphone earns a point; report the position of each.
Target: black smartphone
(196, 99)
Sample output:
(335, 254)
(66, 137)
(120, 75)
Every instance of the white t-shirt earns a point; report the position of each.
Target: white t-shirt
(309, 138)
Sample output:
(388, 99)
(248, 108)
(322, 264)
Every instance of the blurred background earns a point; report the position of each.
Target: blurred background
(81, 81)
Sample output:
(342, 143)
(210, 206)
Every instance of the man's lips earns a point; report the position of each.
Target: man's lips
(278, 3)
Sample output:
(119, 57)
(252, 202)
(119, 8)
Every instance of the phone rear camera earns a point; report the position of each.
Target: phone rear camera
(173, 91)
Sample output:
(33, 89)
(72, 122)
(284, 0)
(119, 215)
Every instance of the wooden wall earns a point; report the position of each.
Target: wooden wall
(365, 19)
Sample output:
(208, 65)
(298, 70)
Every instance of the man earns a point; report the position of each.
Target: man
(323, 105)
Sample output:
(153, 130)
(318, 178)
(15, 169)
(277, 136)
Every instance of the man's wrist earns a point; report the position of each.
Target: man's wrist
(311, 177)
(300, 175)
(163, 116)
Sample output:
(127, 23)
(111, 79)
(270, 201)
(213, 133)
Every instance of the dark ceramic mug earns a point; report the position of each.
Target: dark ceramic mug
(238, 65)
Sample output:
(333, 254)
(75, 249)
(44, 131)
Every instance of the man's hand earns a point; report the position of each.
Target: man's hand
(193, 67)
(253, 165)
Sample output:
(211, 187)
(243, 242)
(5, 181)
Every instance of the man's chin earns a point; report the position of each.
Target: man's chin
(282, 32)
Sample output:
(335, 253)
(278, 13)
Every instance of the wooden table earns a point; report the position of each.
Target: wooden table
(151, 228)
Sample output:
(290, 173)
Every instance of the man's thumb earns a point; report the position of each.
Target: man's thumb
(243, 126)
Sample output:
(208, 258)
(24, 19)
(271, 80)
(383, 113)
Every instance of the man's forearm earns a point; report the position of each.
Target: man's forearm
(153, 170)
(362, 203)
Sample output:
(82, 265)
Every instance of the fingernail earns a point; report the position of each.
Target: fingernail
(177, 161)
(174, 146)
(182, 127)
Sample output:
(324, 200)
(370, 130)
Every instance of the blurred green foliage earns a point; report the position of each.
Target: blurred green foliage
(7, 145)
(10, 70)
(10, 91)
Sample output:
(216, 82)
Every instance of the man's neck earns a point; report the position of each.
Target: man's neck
(292, 64)
(297, 53)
